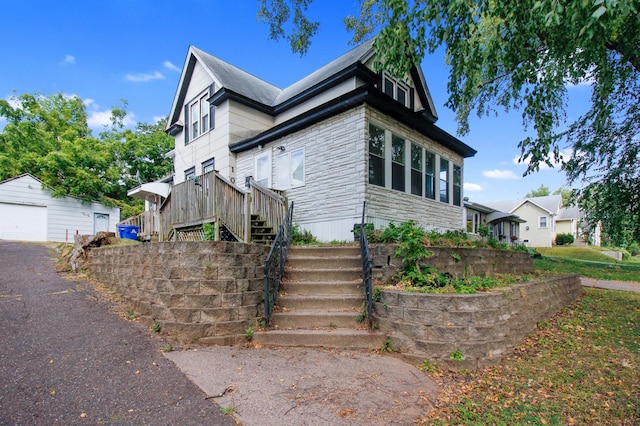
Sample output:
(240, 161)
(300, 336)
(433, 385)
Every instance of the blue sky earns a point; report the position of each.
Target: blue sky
(107, 51)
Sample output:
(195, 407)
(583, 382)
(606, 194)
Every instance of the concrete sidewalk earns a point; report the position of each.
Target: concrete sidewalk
(611, 285)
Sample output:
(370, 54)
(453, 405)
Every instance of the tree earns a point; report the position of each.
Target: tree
(523, 55)
(540, 192)
(48, 137)
(566, 194)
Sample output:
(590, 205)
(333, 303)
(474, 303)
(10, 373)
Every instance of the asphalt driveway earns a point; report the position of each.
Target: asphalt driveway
(67, 358)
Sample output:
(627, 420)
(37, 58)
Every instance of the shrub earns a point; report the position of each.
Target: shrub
(302, 238)
(634, 248)
(209, 230)
(562, 239)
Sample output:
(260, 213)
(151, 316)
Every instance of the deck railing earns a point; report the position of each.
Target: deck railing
(211, 198)
(147, 223)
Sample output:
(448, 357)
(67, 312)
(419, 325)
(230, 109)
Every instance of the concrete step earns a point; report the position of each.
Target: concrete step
(325, 262)
(338, 338)
(321, 287)
(316, 319)
(322, 251)
(323, 274)
(321, 301)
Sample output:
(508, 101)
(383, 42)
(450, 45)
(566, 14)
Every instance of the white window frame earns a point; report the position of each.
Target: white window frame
(266, 157)
(397, 86)
(199, 120)
(211, 162)
(284, 169)
(546, 222)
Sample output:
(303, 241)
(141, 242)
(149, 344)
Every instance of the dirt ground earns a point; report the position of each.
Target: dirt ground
(308, 386)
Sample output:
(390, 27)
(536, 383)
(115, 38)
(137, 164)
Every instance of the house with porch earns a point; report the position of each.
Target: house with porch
(344, 135)
(503, 226)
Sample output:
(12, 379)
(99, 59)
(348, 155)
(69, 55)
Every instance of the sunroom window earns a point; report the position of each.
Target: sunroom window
(457, 185)
(416, 169)
(376, 155)
(397, 163)
(444, 180)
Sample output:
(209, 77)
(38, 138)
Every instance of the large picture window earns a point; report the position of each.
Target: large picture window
(397, 163)
(416, 169)
(290, 168)
(430, 175)
(444, 180)
(457, 185)
(376, 155)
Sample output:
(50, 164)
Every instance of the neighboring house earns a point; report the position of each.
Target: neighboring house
(340, 136)
(545, 218)
(503, 226)
(28, 212)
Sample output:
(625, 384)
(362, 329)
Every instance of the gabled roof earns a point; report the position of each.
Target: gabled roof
(569, 213)
(29, 175)
(549, 203)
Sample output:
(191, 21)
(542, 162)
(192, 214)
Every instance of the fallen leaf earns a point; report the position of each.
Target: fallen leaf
(83, 415)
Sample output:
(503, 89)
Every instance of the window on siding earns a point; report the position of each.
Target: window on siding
(290, 168)
(195, 120)
(542, 222)
(444, 180)
(457, 185)
(263, 169)
(199, 116)
(376, 155)
(209, 165)
(430, 175)
(189, 173)
(416, 169)
(397, 163)
(398, 90)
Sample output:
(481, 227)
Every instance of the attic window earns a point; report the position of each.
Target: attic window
(199, 116)
(398, 90)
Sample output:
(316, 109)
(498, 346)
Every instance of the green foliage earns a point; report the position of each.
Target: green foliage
(168, 348)
(302, 238)
(248, 333)
(456, 355)
(48, 137)
(505, 55)
(428, 366)
(131, 315)
(209, 230)
(564, 239)
(634, 248)
(227, 411)
(376, 294)
(483, 231)
(156, 327)
(387, 346)
(540, 192)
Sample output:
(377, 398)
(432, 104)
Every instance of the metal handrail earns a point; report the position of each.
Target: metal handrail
(367, 267)
(274, 264)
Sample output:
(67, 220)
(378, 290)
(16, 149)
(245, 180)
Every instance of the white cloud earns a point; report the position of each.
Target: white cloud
(472, 187)
(99, 119)
(69, 59)
(564, 154)
(499, 174)
(143, 78)
(157, 118)
(88, 102)
(168, 65)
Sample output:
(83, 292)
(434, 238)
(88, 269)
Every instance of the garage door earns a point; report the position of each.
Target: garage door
(23, 223)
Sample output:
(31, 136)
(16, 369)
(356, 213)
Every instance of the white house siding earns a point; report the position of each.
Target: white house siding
(334, 153)
(332, 93)
(65, 216)
(535, 236)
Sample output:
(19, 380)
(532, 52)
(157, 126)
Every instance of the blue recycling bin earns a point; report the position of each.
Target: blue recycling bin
(129, 232)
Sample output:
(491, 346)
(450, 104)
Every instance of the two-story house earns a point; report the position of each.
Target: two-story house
(343, 135)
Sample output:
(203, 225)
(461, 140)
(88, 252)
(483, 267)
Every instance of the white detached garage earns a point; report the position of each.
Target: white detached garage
(28, 212)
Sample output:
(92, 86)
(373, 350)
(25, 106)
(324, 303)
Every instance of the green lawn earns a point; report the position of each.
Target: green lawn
(581, 367)
(587, 262)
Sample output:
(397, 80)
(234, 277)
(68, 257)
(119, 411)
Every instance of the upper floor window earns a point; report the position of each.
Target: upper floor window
(398, 90)
(263, 169)
(199, 116)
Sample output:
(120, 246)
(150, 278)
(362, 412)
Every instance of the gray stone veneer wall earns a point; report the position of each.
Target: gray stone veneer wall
(209, 291)
(484, 327)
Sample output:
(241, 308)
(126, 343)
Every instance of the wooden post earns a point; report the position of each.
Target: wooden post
(247, 217)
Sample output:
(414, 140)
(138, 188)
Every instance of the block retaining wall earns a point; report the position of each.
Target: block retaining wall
(209, 291)
(484, 327)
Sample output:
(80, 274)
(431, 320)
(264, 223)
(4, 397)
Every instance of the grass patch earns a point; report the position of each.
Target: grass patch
(602, 271)
(580, 367)
(576, 253)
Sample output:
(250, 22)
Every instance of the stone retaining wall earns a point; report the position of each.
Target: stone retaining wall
(459, 262)
(208, 291)
(484, 327)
